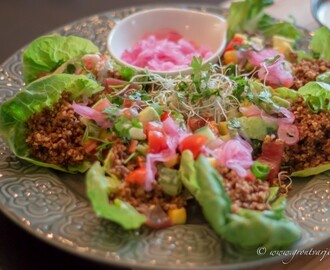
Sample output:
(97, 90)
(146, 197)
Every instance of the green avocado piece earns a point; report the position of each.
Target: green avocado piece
(206, 131)
(256, 128)
(148, 114)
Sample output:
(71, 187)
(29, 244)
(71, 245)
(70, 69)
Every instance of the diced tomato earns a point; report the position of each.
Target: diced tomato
(127, 113)
(250, 176)
(153, 125)
(132, 146)
(91, 60)
(214, 128)
(195, 123)
(140, 161)
(137, 176)
(165, 115)
(111, 84)
(194, 143)
(157, 141)
(127, 103)
(90, 145)
(102, 104)
(271, 155)
(236, 41)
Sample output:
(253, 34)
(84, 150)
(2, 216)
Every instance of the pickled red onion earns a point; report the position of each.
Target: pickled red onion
(251, 110)
(288, 133)
(287, 119)
(164, 52)
(235, 154)
(92, 114)
(276, 73)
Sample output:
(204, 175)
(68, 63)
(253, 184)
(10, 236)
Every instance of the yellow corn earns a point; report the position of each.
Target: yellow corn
(178, 216)
(223, 130)
(230, 57)
(172, 162)
(226, 137)
(212, 161)
(242, 36)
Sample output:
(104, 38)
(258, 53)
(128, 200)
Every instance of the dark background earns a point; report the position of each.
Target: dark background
(21, 21)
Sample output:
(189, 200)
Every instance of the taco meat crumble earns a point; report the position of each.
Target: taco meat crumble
(117, 156)
(244, 194)
(139, 198)
(55, 134)
(313, 148)
(307, 70)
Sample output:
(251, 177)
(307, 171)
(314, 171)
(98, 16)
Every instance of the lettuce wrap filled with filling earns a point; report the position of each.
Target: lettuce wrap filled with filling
(37, 96)
(45, 54)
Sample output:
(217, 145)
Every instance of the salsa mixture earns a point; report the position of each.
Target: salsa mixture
(229, 137)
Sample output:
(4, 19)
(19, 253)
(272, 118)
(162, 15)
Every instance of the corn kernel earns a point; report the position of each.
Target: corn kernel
(178, 216)
(212, 161)
(223, 130)
(172, 162)
(230, 57)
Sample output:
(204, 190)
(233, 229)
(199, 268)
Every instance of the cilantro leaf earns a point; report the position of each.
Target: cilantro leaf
(200, 74)
(127, 73)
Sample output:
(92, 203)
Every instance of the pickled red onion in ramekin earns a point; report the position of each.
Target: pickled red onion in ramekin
(164, 52)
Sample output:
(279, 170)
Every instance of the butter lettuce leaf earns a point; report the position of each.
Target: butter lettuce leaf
(40, 94)
(270, 229)
(120, 212)
(320, 43)
(246, 229)
(311, 171)
(270, 27)
(244, 16)
(47, 53)
(317, 95)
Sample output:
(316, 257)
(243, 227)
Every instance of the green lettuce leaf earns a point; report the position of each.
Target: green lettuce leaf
(269, 27)
(47, 53)
(270, 229)
(98, 193)
(205, 184)
(311, 171)
(317, 95)
(40, 94)
(285, 93)
(320, 43)
(324, 77)
(244, 16)
(247, 228)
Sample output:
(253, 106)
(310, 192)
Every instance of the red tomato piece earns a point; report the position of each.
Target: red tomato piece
(157, 141)
(234, 42)
(127, 103)
(153, 126)
(137, 176)
(196, 122)
(194, 143)
(90, 145)
(165, 115)
(272, 155)
(102, 104)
